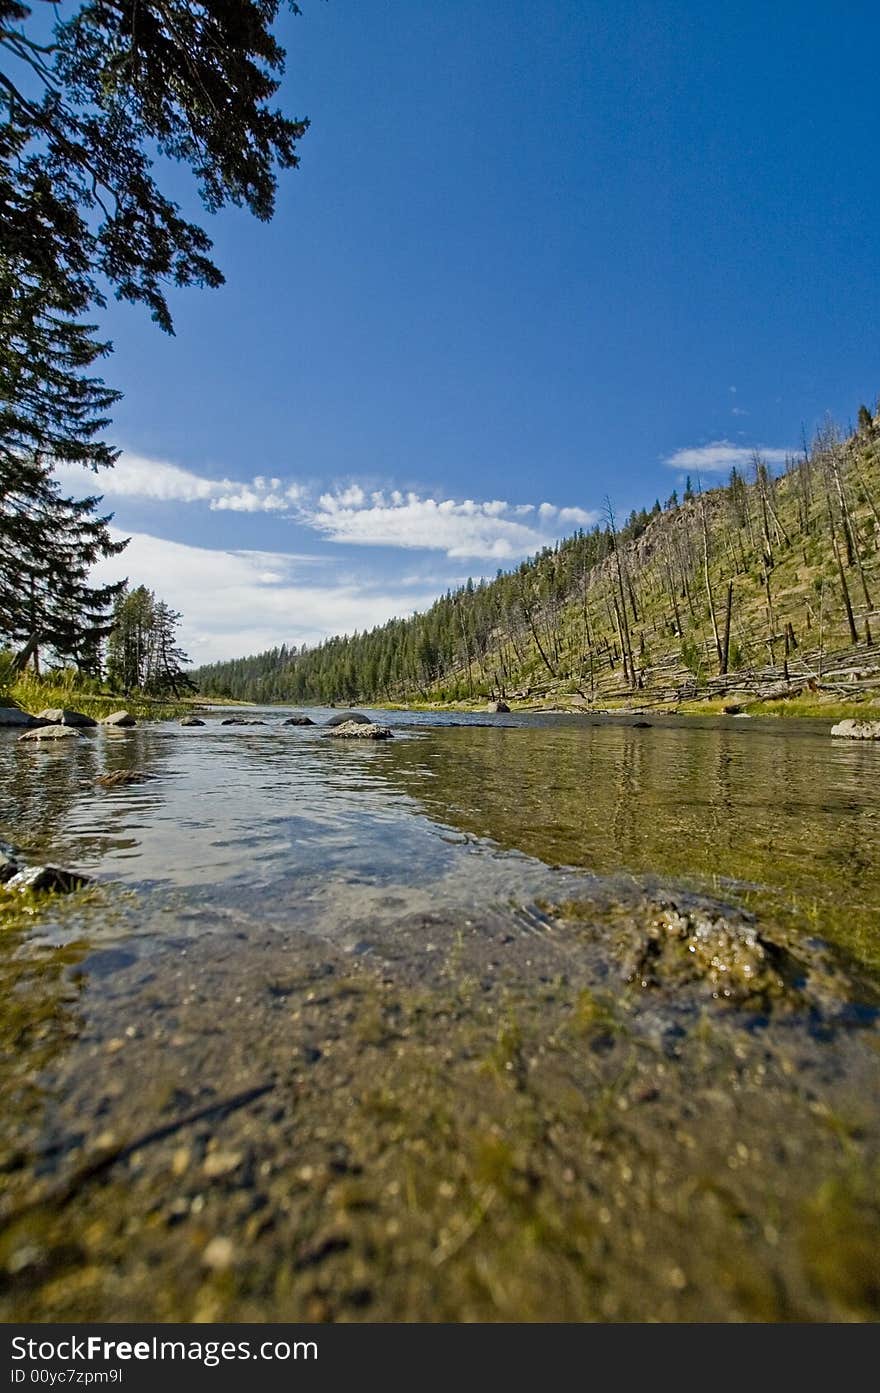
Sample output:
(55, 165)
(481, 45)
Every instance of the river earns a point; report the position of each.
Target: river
(437, 956)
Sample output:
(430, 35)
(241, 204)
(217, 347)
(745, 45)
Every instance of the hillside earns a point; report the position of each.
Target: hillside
(761, 585)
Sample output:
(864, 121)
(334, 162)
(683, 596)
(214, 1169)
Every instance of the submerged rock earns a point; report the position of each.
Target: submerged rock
(688, 951)
(298, 721)
(674, 946)
(498, 707)
(51, 733)
(857, 730)
(122, 776)
(349, 717)
(48, 878)
(356, 730)
(62, 716)
(191, 721)
(240, 721)
(118, 718)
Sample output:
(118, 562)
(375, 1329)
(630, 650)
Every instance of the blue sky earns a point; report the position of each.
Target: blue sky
(535, 253)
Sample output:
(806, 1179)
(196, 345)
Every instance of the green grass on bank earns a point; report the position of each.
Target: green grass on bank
(816, 708)
(35, 694)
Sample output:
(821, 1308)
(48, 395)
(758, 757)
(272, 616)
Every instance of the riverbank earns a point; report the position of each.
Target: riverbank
(36, 694)
(813, 706)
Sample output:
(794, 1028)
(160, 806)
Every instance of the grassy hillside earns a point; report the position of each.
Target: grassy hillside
(765, 586)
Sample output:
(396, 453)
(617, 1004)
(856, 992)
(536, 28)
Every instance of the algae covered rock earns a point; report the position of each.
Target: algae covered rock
(122, 777)
(857, 730)
(51, 733)
(355, 730)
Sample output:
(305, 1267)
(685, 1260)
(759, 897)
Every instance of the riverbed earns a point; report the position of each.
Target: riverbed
(506, 1018)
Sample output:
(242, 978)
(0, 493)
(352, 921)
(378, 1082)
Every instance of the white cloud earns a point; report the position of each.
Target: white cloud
(237, 602)
(135, 476)
(492, 530)
(721, 455)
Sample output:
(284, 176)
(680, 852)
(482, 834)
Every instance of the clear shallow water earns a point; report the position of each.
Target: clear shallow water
(335, 998)
(271, 819)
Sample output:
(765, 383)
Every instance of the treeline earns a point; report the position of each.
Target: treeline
(726, 583)
(142, 651)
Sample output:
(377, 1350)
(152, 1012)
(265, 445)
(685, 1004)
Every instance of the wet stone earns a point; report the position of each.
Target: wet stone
(355, 730)
(48, 878)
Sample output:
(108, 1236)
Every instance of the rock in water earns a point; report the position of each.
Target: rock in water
(48, 878)
(118, 718)
(349, 718)
(61, 716)
(9, 866)
(51, 733)
(298, 721)
(498, 707)
(359, 730)
(191, 721)
(121, 777)
(14, 716)
(857, 730)
(240, 721)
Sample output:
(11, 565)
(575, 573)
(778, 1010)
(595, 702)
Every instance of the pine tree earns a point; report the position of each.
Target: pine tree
(143, 653)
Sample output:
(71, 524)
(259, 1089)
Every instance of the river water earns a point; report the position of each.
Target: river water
(265, 854)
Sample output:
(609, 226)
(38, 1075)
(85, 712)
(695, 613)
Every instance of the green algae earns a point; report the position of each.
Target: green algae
(534, 1149)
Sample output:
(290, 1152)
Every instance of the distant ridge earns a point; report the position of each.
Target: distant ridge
(762, 582)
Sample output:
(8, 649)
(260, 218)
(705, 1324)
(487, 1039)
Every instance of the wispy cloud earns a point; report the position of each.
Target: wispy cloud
(721, 455)
(135, 476)
(236, 602)
(493, 530)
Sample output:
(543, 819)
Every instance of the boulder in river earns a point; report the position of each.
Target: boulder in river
(118, 718)
(240, 721)
(14, 716)
(62, 716)
(51, 733)
(359, 730)
(349, 718)
(498, 707)
(192, 721)
(857, 730)
(298, 721)
(48, 878)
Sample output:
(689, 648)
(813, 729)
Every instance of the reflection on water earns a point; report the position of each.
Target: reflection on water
(777, 815)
